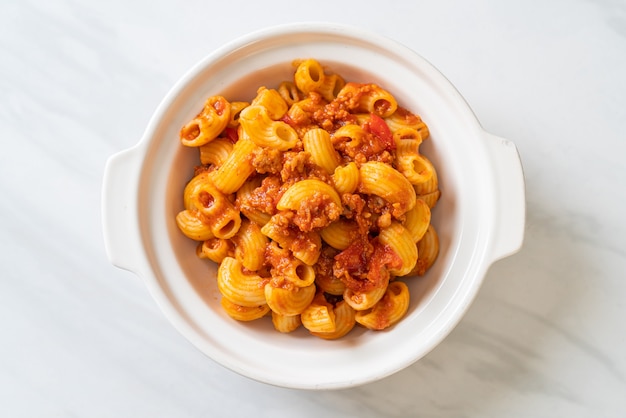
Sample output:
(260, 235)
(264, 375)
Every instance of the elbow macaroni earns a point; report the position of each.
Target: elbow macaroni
(315, 201)
(209, 123)
(380, 179)
(317, 142)
(258, 125)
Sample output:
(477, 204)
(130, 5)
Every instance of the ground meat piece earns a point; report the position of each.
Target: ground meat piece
(324, 266)
(304, 241)
(297, 165)
(279, 261)
(383, 157)
(267, 160)
(383, 220)
(355, 208)
(368, 148)
(293, 165)
(316, 211)
(332, 116)
(264, 197)
(304, 245)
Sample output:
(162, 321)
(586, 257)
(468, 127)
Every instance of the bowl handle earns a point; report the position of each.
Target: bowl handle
(511, 200)
(120, 222)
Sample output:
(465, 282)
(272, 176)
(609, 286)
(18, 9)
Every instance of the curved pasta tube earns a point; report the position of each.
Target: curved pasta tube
(272, 101)
(190, 224)
(235, 111)
(244, 313)
(432, 184)
(299, 273)
(300, 116)
(285, 323)
(331, 86)
(250, 246)
(411, 163)
(191, 189)
(208, 124)
(302, 191)
(355, 135)
(401, 242)
(216, 151)
(364, 300)
(428, 249)
(309, 76)
(291, 300)
(405, 133)
(236, 168)
(264, 131)
(378, 101)
(431, 199)
(330, 284)
(221, 216)
(402, 118)
(340, 233)
(344, 322)
(417, 220)
(428, 191)
(371, 98)
(392, 307)
(289, 92)
(346, 178)
(382, 180)
(217, 249)
(319, 316)
(317, 142)
(238, 287)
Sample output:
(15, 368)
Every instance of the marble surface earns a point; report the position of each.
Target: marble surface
(545, 337)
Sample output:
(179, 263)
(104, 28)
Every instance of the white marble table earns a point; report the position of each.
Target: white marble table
(546, 336)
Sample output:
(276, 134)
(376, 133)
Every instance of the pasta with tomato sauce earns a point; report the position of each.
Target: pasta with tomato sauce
(315, 201)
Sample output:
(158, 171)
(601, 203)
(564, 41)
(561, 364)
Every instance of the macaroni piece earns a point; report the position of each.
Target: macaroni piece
(244, 313)
(208, 124)
(344, 322)
(315, 201)
(285, 323)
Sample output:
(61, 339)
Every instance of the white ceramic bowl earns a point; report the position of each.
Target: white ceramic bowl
(480, 217)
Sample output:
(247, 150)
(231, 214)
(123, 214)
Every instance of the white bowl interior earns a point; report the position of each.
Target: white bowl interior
(184, 285)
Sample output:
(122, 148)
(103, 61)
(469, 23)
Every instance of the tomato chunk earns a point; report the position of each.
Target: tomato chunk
(381, 130)
(231, 134)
